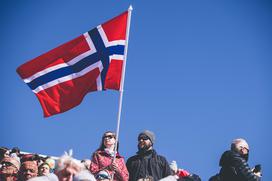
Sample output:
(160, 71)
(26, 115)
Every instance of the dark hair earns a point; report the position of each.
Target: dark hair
(102, 146)
(15, 150)
(3, 150)
(30, 157)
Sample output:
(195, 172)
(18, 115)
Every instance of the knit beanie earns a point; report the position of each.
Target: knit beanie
(149, 134)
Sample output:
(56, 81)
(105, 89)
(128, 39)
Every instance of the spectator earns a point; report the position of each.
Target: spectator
(234, 164)
(150, 178)
(47, 166)
(147, 162)
(29, 169)
(103, 175)
(15, 151)
(44, 169)
(67, 167)
(9, 169)
(181, 174)
(4, 152)
(51, 163)
(102, 159)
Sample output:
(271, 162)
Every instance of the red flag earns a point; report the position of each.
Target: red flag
(93, 61)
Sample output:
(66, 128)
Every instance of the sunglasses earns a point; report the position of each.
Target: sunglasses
(245, 148)
(143, 138)
(109, 136)
(7, 164)
(102, 177)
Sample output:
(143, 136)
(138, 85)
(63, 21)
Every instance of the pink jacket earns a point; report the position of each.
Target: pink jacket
(101, 160)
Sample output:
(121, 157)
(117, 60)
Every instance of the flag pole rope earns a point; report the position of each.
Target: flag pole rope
(122, 85)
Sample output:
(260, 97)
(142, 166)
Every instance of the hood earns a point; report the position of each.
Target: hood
(227, 158)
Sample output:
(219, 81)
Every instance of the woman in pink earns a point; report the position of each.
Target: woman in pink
(102, 159)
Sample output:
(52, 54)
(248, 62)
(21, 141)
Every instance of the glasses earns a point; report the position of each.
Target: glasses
(109, 136)
(244, 148)
(7, 164)
(143, 138)
(102, 177)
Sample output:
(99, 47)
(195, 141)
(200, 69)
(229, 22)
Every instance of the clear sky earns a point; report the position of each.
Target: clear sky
(198, 75)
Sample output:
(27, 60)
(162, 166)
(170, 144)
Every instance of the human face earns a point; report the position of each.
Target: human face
(244, 150)
(29, 171)
(109, 140)
(68, 172)
(144, 142)
(8, 168)
(44, 170)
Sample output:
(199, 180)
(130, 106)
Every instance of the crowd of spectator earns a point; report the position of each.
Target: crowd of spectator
(106, 164)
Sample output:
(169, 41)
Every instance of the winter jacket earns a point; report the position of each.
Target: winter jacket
(102, 160)
(235, 168)
(148, 164)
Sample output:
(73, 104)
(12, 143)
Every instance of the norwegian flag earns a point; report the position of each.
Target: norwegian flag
(93, 61)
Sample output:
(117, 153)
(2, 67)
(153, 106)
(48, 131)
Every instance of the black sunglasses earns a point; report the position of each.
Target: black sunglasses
(102, 177)
(143, 138)
(109, 136)
(7, 164)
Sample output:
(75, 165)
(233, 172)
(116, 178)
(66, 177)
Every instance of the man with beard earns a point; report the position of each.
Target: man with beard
(234, 164)
(147, 163)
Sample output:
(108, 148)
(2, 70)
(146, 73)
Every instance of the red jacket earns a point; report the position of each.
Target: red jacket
(101, 160)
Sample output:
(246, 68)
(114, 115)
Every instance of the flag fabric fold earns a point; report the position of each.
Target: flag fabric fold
(93, 61)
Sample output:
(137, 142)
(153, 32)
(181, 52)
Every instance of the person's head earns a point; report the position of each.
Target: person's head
(44, 169)
(103, 175)
(15, 150)
(51, 163)
(240, 146)
(147, 178)
(146, 140)
(29, 169)
(67, 167)
(108, 140)
(4, 152)
(10, 168)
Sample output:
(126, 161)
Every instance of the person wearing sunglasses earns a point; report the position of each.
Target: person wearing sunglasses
(103, 175)
(234, 164)
(102, 159)
(9, 169)
(147, 162)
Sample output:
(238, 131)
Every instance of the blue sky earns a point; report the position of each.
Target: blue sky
(198, 75)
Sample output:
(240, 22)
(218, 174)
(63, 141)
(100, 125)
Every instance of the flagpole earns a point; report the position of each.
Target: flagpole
(122, 82)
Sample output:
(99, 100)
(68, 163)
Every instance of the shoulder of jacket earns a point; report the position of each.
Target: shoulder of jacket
(98, 153)
(132, 158)
(161, 157)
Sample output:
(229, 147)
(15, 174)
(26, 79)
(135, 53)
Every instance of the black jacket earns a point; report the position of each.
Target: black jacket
(147, 164)
(235, 168)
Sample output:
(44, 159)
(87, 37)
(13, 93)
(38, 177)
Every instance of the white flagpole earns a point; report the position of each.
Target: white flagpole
(122, 82)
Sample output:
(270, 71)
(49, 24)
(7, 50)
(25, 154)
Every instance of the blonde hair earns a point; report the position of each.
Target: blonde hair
(67, 160)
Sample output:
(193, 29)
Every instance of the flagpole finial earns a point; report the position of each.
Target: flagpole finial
(130, 8)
